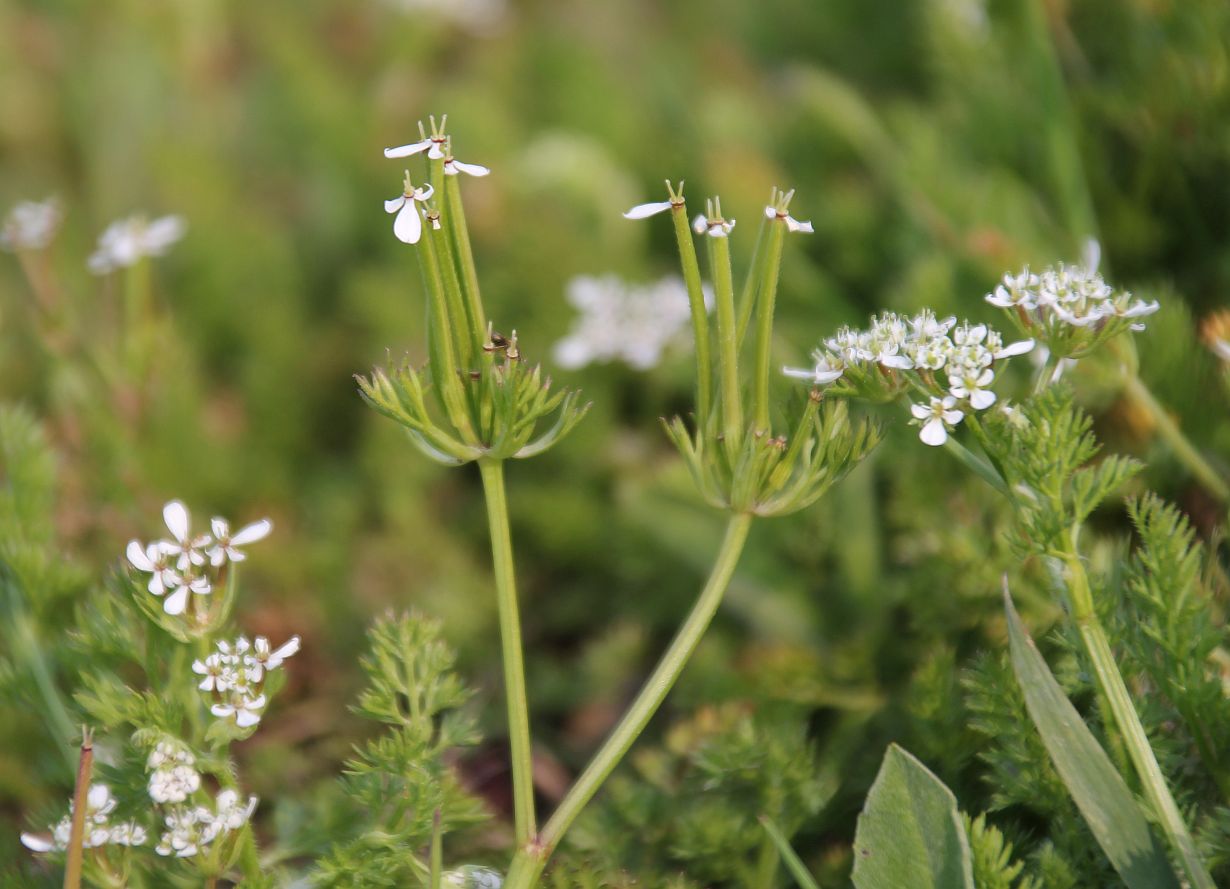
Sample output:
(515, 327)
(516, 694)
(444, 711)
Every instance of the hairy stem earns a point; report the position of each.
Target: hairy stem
(76, 840)
(528, 864)
(510, 638)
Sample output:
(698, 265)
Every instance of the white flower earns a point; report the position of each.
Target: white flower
(717, 227)
(246, 711)
(792, 224)
(473, 877)
(174, 784)
(618, 321)
(30, 225)
(129, 833)
(272, 659)
(408, 226)
(152, 559)
(226, 544)
(826, 370)
(231, 813)
(433, 145)
(99, 806)
(127, 241)
(970, 383)
(187, 549)
(452, 167)
(169, 753)
(936, 419)
(189, 830)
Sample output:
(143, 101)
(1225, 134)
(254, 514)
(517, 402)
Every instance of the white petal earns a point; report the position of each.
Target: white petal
(408, 226)
(98, 797)
(289, 648)
(920, 412)
(952, 418)
(700, 224)
(424, 192)
(1012, 349)
(799, 373)
(37, 843)
(407, 150)
(175, 514)
(471, 169)
(982, 399)
(247, 719)
(220, 526)
(898, 361)
(394, 204)
(252, 533)
(138, 557)
(176, 602)
(641, 211)
(934, 433)
(222, 710)
(794, 225)
(770, 212)
(437, 150)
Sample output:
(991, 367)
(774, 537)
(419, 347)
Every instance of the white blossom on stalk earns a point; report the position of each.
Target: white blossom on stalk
(972, 384)
(173, 776)
(152, 560)
(270, 658)
(779, 208)
(98, 832)
(231, 813)
(617, 321)
(714, 227)
(31, 225)
(188, 831)
(245, 710)
(452, 167)
(408, 225)
(653, 208)
(435, 145)
(1068, 296)
(226, 545)
(187, 548)
(127, 241)
(936, 419)
(234, 675)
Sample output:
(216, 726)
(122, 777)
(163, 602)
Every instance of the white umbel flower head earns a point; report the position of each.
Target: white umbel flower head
(936, 419)
(617, 321)
(127, 241)
(408, 224)
(98, 832)
(30, 225)
(435, 145)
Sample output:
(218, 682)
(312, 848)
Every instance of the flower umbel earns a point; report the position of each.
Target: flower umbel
(127, 241)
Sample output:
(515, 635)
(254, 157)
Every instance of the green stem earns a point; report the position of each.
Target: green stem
(1110, 681)
(443, 359)
(766, 865)
(793, 863)
(136, 316)
(764, 325)
(510, 638)
(460, 232)
(437, 852)
(700, 315)
(25, 641)
(1182, 448)
(465, 343)
(530, 859)
(76, 840)
(728, 347)
(747, 296)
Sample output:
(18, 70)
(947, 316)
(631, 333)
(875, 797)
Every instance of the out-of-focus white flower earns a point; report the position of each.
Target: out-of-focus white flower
(189, 829)
(231, 812)
(618, 321)
(99, 806)
(31, 225)
(246, 711)
(152, 559)
(408, 225)
(173, 776)
(128, 833)
(125, 242)
(226, 545)
(936, 419)
(452, 167)
(268, 657)
(187, 548)
(478, 16)
(235, 676)
(473, 877)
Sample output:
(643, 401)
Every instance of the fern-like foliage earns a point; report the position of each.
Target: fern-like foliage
(994, 864)
(1045, 452)
(401, 784)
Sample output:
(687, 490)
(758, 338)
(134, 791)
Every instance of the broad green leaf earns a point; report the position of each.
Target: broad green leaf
(910, 834)
(1103, 798)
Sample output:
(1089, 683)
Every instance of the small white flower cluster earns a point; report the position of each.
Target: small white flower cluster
(408, 223)
(235, 676)
(618, 321)
(473, 877)
(191, 828)
(173, 777)
(1067, 296)
(921, 345)
(125, 242)
(182, 565)
(31, 225)
(99, 831)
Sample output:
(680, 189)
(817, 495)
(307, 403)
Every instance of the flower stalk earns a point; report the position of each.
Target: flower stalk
(510, 639)
(76, 842)
(696, 301)
(532, 857)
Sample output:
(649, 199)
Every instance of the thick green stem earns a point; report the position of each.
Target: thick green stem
(465, 343)
(1184, 451)
(510, 638)
(764, 324)
(455, 217)
(728, 347)
(700, 315)
(766, 865)
(1110, 682)
(443, 358)
(531, 858)
(81, 792)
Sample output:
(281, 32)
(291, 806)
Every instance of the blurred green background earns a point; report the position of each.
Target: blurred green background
(935, 143)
